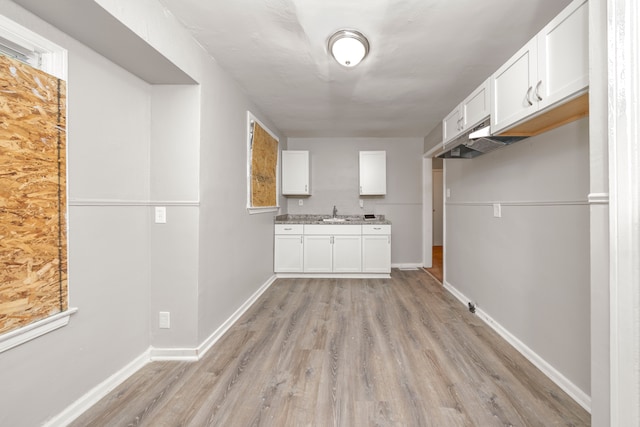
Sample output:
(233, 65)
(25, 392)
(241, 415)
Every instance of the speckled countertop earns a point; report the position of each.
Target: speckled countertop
(318, 219)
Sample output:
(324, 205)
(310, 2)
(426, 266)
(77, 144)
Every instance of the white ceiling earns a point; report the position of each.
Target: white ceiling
(426, 56)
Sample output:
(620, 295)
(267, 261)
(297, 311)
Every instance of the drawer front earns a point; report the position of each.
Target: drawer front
(289, 228)
(332, 229)
(376, 229)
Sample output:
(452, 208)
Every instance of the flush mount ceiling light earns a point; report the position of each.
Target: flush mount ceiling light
(348, 47)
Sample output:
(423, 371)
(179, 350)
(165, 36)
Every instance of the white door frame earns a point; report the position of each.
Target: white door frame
(427, 210)
(427, 206)
(624, 212)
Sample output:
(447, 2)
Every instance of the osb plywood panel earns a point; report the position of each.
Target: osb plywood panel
(264, 163)
(33, 252)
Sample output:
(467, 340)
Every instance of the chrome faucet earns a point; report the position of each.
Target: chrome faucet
(335, 211)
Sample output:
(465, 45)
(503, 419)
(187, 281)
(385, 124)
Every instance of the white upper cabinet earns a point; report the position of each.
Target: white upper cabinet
(477, 106)
(373, 173)
(295, 173)
(551, 68)
(468, 113)
(563, 55)
(452, 125)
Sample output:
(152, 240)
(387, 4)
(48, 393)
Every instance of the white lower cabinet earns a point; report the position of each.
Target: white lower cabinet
(329, 249)
(347, 255)
(318, 254)
(288, 249)
(376, 249)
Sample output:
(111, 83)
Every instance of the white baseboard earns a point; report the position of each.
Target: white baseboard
(554, 375)
(180, 354)
(78, 407)
(334, 275)
(407, 266)
(217, 334)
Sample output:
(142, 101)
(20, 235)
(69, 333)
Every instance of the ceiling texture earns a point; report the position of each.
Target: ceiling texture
(426, 56)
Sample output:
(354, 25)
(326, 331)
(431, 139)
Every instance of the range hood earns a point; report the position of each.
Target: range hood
(476, 141)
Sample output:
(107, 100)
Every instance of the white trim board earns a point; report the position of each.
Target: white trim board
(92, 397)
(333, 275)
(554, 375)
(195, 354)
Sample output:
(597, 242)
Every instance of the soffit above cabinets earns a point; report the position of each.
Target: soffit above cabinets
(89, 23)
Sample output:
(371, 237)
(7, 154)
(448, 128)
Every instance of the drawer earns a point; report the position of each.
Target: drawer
(332, 229)
(376, 229)
(289, 228)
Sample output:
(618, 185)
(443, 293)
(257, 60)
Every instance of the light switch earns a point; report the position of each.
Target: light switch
(448, 193)
(497, 210)
(160, 215)
(300, 202)
(361, 203)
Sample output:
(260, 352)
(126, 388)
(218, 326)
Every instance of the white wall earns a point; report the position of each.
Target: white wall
(529, 269)
(133, 146)
(108, 169)
(334, 181)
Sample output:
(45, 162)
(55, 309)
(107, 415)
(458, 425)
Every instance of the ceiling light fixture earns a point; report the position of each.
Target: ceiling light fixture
(348, 47)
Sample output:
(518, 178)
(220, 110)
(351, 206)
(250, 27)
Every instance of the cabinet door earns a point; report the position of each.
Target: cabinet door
(347, 252)
(563, 55)
(288, 253)
(295, 173)
(373, 173)
(512, 86)
(376, 254)
(318, 254)
(476, 107)
(452, 125)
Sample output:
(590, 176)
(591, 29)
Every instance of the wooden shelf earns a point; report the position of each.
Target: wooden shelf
(570, 111)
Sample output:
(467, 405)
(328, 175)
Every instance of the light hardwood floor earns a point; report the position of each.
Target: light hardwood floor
(338, 352)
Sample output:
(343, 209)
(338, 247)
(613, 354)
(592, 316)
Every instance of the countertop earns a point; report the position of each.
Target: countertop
(318, 219)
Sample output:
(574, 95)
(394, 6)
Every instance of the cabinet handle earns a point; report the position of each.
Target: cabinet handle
(301, 241)
(377, 228)
(529, 95)
(538, 91)
(332, 240)
(288, 229)
(305, 188)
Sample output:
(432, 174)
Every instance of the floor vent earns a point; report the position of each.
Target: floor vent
(408, 268)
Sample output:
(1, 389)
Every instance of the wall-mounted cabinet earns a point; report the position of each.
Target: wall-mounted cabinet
(468, 113)
(373, 173)
(295, 173)
(551, 68)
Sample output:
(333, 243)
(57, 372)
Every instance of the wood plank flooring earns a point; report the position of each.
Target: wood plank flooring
(343, 352)
(437, 264)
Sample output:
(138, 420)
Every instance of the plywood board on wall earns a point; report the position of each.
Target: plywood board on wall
(33, 250)
(264, 164)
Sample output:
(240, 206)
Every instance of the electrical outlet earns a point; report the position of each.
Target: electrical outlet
(164, 320)
(448, 193)
(361, 204)
(160, 215)
(300, 202)
(497, 210)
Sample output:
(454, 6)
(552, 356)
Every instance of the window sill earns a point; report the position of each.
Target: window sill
(263, 210)
(34, 330)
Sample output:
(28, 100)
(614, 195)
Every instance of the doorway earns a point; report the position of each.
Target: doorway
(437, 218)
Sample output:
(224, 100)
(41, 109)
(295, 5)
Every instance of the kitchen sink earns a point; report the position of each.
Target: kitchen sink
(333, 219)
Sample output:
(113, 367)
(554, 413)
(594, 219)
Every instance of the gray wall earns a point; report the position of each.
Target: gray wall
(334, 181)
(133, 146)
(528, 270)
